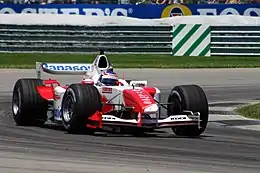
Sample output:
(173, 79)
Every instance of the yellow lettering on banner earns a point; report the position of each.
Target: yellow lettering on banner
(167, 12)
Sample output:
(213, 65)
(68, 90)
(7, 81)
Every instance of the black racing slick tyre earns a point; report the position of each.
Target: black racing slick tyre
(190, 98)
(28, 107)
(79, 103)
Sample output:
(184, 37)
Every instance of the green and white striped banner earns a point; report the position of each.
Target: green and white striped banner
(191, 40)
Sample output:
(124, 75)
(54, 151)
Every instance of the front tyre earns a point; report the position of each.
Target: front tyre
(190, 98)
(79, 103)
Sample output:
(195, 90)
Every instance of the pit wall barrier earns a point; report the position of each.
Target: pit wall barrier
(177, 36)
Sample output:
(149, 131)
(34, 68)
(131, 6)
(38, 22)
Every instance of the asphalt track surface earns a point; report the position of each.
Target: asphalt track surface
(220, 149)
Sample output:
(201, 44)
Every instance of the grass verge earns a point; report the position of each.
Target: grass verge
(27, 60)
(250, 111)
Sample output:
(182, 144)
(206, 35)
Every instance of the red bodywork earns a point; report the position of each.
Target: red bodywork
(150, 90)
(46, 91)
(95, 121)
(139, 99)
(106, 107)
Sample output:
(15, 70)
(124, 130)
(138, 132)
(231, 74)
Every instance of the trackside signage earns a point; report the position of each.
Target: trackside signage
(142, 11)
(66, 67)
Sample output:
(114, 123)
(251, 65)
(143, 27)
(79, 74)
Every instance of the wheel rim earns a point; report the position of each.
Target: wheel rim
(68, 108)
(16, 101)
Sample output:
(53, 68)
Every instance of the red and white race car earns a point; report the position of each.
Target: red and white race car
(89, 106)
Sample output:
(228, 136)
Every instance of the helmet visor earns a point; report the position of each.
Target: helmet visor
(109, 82)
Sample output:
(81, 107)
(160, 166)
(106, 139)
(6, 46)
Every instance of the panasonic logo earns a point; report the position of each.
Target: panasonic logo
(66, 67)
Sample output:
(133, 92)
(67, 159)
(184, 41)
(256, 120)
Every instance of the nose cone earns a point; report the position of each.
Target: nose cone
(140, 99)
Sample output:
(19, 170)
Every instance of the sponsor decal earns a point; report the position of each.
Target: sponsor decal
(146, 99)
(66, 67)
(94, 11)
(142, 11)
(176, 10)
(210, 10)
(229, 11)
(107, 90)
(107, 12)
(57, 114)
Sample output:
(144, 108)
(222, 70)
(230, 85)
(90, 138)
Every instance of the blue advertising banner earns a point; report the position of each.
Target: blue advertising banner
(143, 11)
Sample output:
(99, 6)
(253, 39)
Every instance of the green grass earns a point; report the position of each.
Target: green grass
(26, 60)
(250, 111)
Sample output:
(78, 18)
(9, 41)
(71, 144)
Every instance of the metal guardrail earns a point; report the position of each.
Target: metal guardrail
(235, 40)
(225, 40)
(83, 39)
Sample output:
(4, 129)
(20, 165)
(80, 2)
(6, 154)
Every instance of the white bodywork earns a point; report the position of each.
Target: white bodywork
(58, 96)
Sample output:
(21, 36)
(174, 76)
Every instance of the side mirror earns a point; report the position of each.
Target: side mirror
(87, 81)
(138, 83)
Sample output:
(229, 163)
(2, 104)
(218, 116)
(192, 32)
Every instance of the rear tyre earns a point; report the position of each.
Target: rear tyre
(78, 104)
(190, 98)
(28, 107)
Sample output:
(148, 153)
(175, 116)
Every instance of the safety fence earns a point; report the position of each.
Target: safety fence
(235, 40)
(82, 39)
(178, 40)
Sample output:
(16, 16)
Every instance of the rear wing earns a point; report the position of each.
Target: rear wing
(62, 68)
(101, 62)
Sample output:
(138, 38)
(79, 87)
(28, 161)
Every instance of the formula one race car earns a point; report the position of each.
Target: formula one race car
(90, 106)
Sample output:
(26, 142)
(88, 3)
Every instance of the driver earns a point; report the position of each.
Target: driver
(109, 78)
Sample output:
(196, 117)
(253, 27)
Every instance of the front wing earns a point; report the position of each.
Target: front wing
(174, 120)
